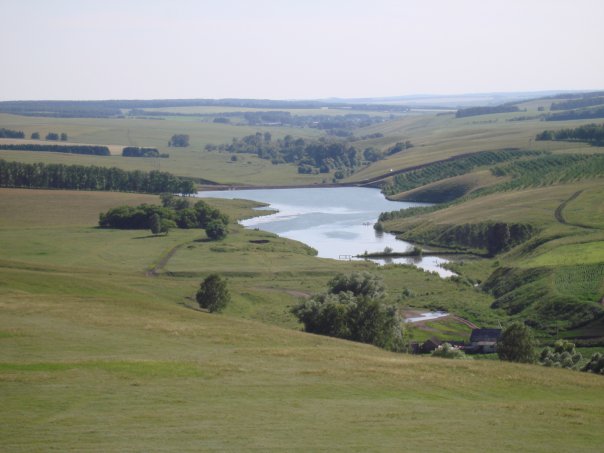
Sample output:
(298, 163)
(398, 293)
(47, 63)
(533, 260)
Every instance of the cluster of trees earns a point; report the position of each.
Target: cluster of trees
(353, 309)
(79, 177)
(494, 237)
(134, 151)
(337, 125)
(518, 344)
(71, 149)
(56, 136)
(398, 147)
(9, 133)
(562, 355)
(311, 156)
(595, 364)
(175, 212)
(179, 141)
(591, 133)
(475, 111)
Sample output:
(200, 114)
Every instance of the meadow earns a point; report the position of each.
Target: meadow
(99, 355)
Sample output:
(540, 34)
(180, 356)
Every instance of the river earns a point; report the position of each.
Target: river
(337, 222)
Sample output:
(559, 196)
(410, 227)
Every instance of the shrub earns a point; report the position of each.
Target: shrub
(446, 351)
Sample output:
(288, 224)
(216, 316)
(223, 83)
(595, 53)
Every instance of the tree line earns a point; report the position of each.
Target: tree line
(134, 151)
(591, 133)
(9, 133)
(475, 111)
(71, 149)
(175, 212)
(79, 177)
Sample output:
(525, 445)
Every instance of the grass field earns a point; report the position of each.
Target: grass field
(97, 355)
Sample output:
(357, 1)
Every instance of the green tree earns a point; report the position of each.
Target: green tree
(216, 229)
(179, 140)
(517, 344)
(35, 136)
(166, 225)
(63, 137)
(359, 284)
(155, 223)
(352, 309)
(213, 294)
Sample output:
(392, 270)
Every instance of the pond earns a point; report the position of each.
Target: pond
(337, 222)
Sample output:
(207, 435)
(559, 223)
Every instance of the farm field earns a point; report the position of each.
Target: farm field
(87, 335)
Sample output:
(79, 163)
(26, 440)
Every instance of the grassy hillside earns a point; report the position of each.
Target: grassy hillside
(554, 280)
(99, 355)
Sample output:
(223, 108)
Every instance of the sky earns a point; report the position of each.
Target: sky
(302, 49)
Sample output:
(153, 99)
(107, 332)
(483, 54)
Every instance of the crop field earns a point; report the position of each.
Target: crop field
(86, 335)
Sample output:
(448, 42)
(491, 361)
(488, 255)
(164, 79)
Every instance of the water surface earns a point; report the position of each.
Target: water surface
(337, 222)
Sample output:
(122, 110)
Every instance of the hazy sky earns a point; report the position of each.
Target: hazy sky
(108, 49)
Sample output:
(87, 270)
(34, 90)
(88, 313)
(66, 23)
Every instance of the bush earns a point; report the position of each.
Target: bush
(216, 229)
(596, 364)
(446, 351)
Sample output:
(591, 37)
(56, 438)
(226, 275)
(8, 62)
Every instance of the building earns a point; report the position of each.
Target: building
(483, 341)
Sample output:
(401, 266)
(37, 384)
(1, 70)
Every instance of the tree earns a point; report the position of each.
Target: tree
(352, 309)
(179, 141)
(63, 137)
(359, 284)
(35, 136)
(52, 136)
(213, 294)
(155, 223)
(216, 229)
(166, 225)
(517, 344)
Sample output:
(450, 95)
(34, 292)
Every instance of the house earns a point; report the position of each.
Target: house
(483, 341)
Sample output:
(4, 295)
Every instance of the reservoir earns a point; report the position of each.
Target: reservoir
(337, 222)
